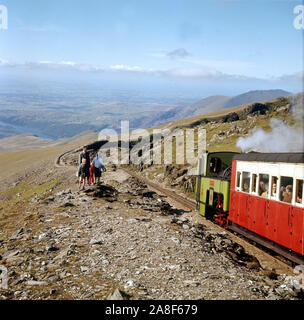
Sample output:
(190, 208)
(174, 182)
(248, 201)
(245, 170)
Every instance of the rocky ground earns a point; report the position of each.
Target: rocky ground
(120, 240)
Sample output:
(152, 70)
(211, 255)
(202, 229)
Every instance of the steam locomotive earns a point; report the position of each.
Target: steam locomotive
(259, 195)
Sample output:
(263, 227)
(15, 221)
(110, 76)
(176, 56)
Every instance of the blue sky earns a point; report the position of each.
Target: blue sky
(184, 41)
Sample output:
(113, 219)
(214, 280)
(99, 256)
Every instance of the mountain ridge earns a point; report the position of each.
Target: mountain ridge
(215, 103)
(210, 104)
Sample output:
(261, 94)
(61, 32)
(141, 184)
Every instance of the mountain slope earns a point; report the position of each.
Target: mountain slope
(209, 104)
(255, 96)
(216, 103)
(23, 142)
(30, 142)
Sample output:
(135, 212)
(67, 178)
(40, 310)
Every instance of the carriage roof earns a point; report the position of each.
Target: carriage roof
(286, 157)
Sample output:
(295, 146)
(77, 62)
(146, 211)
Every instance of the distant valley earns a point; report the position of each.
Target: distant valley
(55, 116)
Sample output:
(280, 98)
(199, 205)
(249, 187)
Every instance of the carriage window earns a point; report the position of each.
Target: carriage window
(263, 185)
(246, 182)
(286, 189)
(254, 182)
(299, 191)
(274, 186)
(215, 165)
(238, 179)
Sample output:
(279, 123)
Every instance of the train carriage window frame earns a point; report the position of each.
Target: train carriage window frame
(299, 201)
(254, 183)
(238, 180)
(246, 178)
(284, 182)
(265, 178)
(274, 181)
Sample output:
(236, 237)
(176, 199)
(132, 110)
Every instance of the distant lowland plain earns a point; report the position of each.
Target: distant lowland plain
(37, 117)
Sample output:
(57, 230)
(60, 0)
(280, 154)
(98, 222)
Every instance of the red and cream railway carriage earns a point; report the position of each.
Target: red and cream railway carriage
(267, 198)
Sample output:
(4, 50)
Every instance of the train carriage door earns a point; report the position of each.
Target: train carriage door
(270, 221)
(235, 186)
(233, 206)
(297, 219)
(284, 213)
(284, 225)
(272, 209)
(252, 202)
(233, 213)
(261, 205)
(259, 223)
(297, 229)
(244, 199)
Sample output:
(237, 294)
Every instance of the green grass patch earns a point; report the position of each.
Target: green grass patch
(25, 191)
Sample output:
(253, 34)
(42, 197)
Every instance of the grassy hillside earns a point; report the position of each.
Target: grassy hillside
(31, 142)
(18, 163)
(23, 142)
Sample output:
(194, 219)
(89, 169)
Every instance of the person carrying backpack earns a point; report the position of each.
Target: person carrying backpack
(99, 166)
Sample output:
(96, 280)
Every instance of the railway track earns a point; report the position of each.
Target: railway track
(182, 200)
(243, 238)
(247, 235)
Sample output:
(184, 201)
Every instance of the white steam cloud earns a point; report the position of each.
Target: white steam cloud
(282, 137)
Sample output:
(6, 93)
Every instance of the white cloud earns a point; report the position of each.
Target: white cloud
(68, 63)
(65, 65)
(178, 53)
(198, 72)
(297, 76)
(194, 73)
(3, 63)
(45, 62)
(121, 67)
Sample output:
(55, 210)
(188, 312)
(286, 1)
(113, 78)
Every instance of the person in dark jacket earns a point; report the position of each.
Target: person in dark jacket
(85, 155)
(82, 174)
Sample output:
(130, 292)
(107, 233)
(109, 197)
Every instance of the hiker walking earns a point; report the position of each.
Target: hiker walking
(99, 166)
(85, 155)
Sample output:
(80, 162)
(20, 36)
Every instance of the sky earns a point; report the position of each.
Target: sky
(225, 45)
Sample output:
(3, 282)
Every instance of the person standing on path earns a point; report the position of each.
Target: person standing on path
(85, 155)
(99, 165)
(92, 171)
(82, 174)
